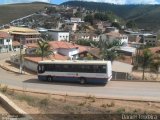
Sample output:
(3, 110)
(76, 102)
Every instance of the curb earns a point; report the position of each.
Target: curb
(71, 94)
(7, 69)
(135, 81)
(13, 108)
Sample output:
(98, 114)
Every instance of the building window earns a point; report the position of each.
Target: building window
(8, 40)
(1, 41)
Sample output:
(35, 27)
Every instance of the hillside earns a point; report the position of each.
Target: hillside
(146, 16)
(14, 11)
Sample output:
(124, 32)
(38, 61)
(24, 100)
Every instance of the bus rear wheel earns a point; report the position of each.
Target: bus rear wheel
(49, 79)
(82, 80)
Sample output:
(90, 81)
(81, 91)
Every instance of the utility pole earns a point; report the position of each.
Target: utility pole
(20, 67)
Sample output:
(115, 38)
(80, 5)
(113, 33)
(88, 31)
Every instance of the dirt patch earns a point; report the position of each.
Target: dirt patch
(54, 106)
(149, 76)
(3, 111)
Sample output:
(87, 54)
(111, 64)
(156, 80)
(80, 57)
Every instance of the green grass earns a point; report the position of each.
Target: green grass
(14, 11)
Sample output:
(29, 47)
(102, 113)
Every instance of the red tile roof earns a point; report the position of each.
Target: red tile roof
(155, 49)
(61, 44)
(55, 56)
(15, 43)
(32, 45)
(60, 57)
(5, 35)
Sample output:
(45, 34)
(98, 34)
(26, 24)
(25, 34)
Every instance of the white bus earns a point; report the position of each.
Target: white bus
(93, 71)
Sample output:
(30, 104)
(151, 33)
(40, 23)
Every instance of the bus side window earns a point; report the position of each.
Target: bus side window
(57, 68)
(65, 68)
(103, 69)
(96, 69)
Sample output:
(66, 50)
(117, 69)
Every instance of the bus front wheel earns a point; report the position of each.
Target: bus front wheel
(82, 80)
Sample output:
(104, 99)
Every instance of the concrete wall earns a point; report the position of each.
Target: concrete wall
(68, 52)
(63, 36)
(120, 76)
(59, 35)
(27, 64)
(30, 65)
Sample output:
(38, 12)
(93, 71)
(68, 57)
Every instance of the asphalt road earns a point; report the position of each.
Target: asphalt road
(114, 89)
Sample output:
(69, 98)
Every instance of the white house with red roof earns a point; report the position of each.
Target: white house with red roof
(60, 48)
(5, 42)
(65, 48)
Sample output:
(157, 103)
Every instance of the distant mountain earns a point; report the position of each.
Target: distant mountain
(146, 16)
(14, 11)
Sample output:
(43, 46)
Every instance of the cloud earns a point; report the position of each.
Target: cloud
(110, 1)
(107, 1)
(141, 2)
(127, 1)
(23, 1)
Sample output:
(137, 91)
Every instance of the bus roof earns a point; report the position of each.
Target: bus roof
(74, 62)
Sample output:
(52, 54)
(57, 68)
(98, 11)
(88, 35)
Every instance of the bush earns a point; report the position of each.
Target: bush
(4, 89)
(121, 110)
(44, 102)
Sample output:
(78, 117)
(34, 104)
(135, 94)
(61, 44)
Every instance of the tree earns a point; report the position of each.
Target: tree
(44, 49)
(78, 14)
(146, 60)
(89, 18)
(116, 24)
(109, 54)
(109, 49)
(155, 66)
(131, 24)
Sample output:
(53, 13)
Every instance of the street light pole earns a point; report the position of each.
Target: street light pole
(20, 67)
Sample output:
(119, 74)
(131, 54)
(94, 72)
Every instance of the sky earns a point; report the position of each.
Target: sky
(108, 1)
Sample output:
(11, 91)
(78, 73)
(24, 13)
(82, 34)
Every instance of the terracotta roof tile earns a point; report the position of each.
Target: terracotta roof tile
(5, 35)
(55, 56)
(61, 44)
(15, 43)
(32, 45)
(155, 49)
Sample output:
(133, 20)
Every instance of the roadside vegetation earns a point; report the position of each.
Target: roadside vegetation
(53, 105)
(43, 49)
(148, 62)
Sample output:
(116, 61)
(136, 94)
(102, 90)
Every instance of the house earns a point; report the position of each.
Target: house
(149, 39)
(66, 49)
(16, 45)
(127, 50)
(101, 25)
(71, 27)
(59, 35)
(23, 35)
(85, 36)
(111, 36)
(74, 20)
(112, 29)
(5, 42)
